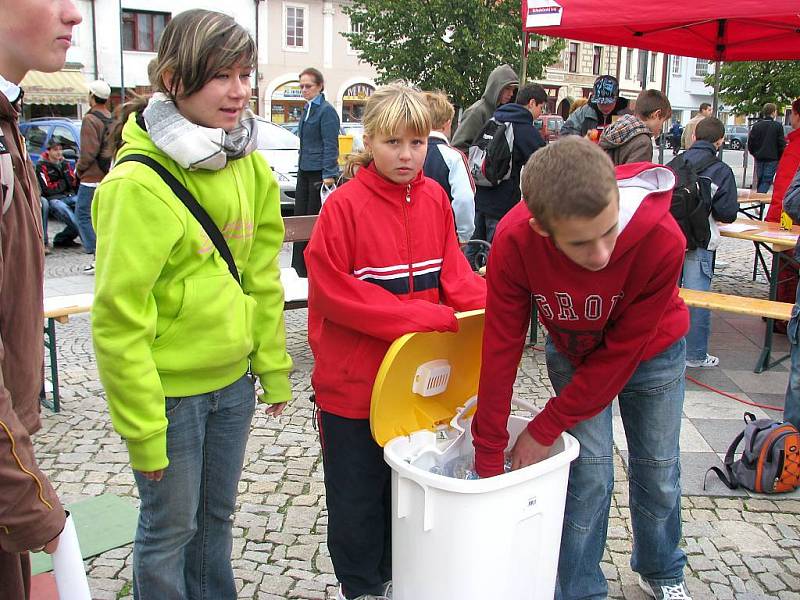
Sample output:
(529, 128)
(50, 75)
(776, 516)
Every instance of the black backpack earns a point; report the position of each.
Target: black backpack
(691, 200)
(104, 154)
(491, 152)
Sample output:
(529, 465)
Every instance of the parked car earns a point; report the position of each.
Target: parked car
(38, 133)
(735, 137)
(549, 126)
(282, 151)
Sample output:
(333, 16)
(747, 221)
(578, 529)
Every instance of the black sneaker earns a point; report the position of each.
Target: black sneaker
(89, 269)
(65, 243)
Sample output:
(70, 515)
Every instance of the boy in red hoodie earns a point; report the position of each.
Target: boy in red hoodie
(601, 256)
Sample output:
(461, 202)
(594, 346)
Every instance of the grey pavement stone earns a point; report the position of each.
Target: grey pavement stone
(738, 547)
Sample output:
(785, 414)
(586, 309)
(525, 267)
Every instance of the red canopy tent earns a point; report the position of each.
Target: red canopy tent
(734, 30)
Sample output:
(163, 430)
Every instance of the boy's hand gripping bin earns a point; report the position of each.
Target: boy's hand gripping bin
(455, 538)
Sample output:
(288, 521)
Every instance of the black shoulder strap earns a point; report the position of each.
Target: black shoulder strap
(198, 212)
(730, 481)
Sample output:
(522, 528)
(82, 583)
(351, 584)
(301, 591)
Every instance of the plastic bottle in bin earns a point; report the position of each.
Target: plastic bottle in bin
(463, 467)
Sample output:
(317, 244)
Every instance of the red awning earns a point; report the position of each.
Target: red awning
(735, 30)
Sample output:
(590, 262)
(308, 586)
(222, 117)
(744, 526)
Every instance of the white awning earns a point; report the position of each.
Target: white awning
(62, 87)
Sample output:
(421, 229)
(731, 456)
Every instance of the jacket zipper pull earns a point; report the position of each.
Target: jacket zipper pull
(408, 193)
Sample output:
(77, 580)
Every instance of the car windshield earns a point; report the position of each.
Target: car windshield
(275, 137)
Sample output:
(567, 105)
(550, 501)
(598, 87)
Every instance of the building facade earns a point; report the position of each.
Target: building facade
(117, 40)
(573, 76)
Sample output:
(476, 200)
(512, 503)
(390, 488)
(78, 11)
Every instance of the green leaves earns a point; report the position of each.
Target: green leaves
(746, 86)
(451, 45)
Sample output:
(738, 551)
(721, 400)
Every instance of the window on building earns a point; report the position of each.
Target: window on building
(628, 63)
(641, 73)
(701, 67)
(141, 31)
(534, 43)
(573, 57)
(295, 27)
(652, 66)
(676, 65)
(597, 60)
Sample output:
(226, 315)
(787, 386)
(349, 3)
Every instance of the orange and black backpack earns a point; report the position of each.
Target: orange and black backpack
(770, 461)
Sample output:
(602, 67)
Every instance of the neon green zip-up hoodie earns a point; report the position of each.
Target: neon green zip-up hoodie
(168, 318)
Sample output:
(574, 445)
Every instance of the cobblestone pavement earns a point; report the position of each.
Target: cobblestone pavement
(744, 548)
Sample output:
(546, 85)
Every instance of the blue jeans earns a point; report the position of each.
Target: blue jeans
(791, 406)
(83, 215)
(765, 173)
(697, 271)
(63, 210)
(485, 226)
(651, 404)
(183, 542)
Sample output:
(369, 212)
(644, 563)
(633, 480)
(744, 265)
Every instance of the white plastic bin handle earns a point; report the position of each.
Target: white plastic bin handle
(404, 492)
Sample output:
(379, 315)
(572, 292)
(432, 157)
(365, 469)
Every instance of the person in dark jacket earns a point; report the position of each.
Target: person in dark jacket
(791, 405)
(598, 113)
(766, 143)
(33, 35)
(319, 153)
(675, 133)
(492, 203)
(59, 187)
(501, 87)
(698, 265)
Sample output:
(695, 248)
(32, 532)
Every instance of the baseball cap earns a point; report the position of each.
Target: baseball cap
(606, 90)
(100, 89)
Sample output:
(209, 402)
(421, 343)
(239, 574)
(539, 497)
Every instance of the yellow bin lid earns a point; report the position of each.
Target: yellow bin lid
(396, 410)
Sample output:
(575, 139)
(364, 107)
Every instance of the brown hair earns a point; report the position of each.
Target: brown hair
(796, 106)
(769, 109)
(709, 129)
(440, 108)
(195, 45)
(389, 110)
(649, 101)
(572, 177)
(316, 75)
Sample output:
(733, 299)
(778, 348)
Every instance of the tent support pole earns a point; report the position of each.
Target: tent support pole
(523, 72)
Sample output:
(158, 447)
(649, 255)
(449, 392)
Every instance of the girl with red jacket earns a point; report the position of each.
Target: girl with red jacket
(383, 261)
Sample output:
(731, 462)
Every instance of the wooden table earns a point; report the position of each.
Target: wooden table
(751, 204)
(773, 239)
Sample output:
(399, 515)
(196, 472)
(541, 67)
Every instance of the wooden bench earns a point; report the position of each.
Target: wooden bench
(298, 229)
(757, 307)
(59, 308)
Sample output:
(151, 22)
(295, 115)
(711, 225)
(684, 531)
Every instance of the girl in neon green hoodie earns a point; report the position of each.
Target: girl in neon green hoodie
(175, 334)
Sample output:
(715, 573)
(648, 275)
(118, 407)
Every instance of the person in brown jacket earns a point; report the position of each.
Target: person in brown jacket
(629, 139)
(34, 34)
(90, 166)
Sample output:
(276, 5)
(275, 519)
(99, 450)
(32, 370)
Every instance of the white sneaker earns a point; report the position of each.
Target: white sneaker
(387, 587)
(707, 363)
(665, 592)
(89, 269)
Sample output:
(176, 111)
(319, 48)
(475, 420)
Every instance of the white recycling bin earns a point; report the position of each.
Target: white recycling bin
(480, 539)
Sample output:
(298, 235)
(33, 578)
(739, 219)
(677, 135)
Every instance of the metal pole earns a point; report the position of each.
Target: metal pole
(94, 42)
(121, 58)
(524, 69)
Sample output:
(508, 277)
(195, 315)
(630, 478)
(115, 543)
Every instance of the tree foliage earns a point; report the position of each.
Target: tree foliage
(402, 39)
(746, 86)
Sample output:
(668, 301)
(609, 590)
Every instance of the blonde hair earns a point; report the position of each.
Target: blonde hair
(440, 108)
(576, 104)
(389, 110)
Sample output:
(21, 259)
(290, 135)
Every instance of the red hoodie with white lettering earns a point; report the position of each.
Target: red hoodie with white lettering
(383, 261)
(606, 322)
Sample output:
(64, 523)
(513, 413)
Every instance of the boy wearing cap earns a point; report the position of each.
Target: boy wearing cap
(58, 186)
(95, 124)
(605, 104)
